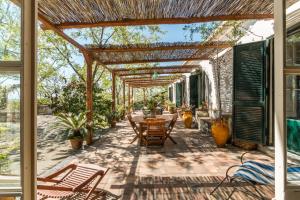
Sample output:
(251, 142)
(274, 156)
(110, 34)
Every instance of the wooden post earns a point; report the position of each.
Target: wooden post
(89, 98)
(124, 101)
(113, 91)
(132, 97)
(144, 93)
(128, 98)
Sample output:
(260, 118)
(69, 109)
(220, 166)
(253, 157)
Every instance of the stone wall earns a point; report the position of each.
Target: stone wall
(225, 65)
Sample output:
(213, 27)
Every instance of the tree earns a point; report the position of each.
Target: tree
(10, 31)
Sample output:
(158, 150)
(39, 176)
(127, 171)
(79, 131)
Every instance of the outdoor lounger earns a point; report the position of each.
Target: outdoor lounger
(72, 180)
(255, 173)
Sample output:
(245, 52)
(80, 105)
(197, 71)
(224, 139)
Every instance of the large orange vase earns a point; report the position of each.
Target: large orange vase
(220, 132)
(187, 118)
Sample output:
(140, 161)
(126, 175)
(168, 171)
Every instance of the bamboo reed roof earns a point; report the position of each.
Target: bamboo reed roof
(157, 52)
(92, 13)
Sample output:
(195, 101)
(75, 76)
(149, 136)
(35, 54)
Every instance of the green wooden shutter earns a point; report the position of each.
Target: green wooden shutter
(178, 94)
(249, 86)
(194, 90)
(171, 93)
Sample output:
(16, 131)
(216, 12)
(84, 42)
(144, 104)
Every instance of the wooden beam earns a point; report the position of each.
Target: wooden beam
(89, 98)
(156, 68)
(154, 60)
(61, 33)
(174, 72)
(150, 79)
(149, 85)
(164, 48)
(139, 22)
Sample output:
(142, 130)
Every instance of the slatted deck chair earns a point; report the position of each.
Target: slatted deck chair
(254, 173)
(170, 128)
(156, 132)
(72, 180)
(134, 127)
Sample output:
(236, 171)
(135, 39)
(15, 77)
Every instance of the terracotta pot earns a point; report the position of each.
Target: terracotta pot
(220, 132)
(76, 143)
(187, 118)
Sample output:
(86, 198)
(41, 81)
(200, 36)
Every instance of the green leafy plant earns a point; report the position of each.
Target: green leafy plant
(73, 97)
(151, 104)
(4, 163)
(73, 125)
(112, 116)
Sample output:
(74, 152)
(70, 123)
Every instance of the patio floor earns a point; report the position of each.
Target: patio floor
(187, 170)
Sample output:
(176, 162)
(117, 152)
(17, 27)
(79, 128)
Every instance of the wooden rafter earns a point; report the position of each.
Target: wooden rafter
(144, 73)
(160, 47)
(138, 22)
(159, 70)
(150, 81)
(150, 78)
(154, 60)
(172, 67)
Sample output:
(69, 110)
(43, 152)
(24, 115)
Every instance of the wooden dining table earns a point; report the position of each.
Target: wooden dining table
(142, 122)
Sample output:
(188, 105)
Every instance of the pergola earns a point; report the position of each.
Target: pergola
(58, 15)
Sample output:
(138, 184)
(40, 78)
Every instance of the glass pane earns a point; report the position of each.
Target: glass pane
(10, 30)
(10, 130)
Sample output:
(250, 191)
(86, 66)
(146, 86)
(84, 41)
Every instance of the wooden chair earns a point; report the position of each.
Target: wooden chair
(170, 128)
(70, 181)
(156, 132)
(134, 127)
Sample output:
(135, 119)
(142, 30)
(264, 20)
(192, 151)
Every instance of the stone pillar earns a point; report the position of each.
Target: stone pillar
(187, 89)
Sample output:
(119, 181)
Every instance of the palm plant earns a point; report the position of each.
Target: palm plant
(75, 125)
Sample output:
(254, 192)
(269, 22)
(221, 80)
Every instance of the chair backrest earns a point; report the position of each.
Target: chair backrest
(172, 123)
(156, 127)
(132, 123)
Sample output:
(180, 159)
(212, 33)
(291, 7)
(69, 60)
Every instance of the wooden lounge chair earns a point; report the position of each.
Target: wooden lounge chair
(170, 128)
(134, 127)
(254, 173)
(70, 181)
(156, 132)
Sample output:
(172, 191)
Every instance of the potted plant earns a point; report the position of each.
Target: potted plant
(75, 126)
(172, 108)
(187, 116)
(151, 105)
(112, 118)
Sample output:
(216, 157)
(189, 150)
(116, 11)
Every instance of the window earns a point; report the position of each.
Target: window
(10, 137)
(10, 31)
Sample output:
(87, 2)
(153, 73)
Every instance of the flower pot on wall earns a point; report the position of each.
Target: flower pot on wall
(76, 143)
(187, 118)
(220, 132)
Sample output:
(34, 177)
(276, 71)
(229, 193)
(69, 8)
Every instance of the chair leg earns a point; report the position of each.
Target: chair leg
(230, 195)
(134, 139)
(218, 185)
(172, 139)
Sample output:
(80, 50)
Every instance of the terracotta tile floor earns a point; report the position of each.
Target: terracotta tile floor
(187, 170)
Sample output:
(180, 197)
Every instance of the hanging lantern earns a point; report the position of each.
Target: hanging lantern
(154, 75)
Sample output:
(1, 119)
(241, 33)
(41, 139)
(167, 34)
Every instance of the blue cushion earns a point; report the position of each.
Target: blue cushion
(252, 171)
